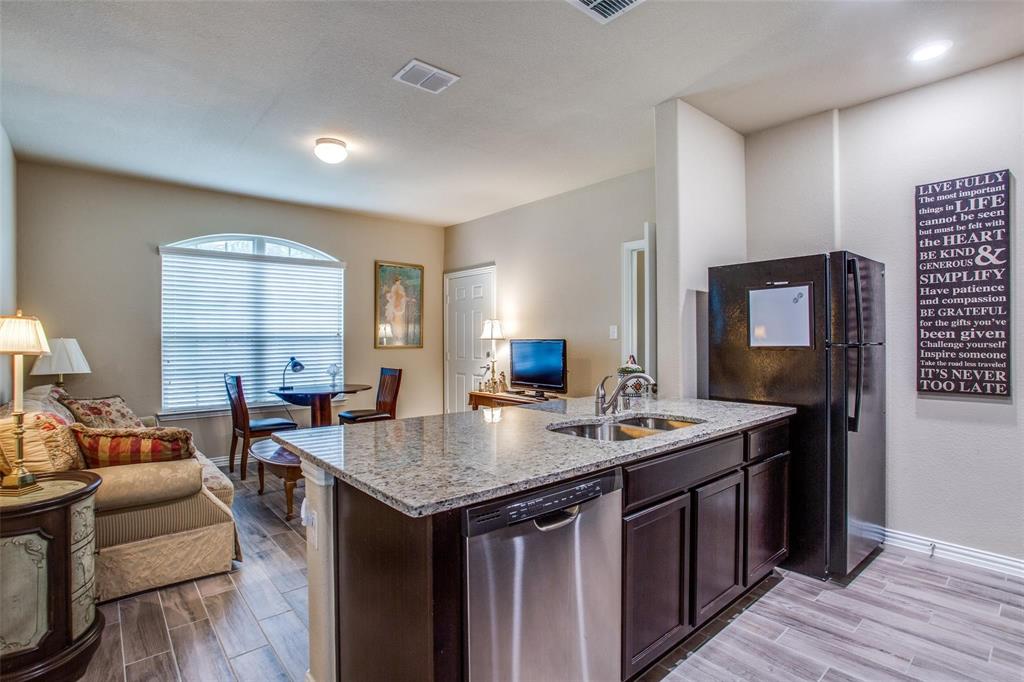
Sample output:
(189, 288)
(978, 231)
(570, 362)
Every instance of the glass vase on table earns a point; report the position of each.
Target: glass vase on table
(333, 370)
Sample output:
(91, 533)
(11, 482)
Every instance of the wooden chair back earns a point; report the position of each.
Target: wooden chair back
(387, 390)
(239, 410)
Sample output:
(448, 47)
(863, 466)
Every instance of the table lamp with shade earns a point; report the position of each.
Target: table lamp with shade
(492, 332)
(65, 357)
(20, 336)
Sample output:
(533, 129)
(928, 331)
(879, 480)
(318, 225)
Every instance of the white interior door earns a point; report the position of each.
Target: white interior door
(469, 300)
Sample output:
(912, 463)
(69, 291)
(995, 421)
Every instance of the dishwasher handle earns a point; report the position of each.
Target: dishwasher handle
(557, 519)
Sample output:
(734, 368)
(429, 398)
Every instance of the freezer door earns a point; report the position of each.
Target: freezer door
(795, 376)
(857, 299)
(858, 456)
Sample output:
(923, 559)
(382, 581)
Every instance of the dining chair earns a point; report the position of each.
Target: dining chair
(244, 427)
(387, 400)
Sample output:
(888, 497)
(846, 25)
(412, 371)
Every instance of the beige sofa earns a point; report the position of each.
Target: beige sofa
(156, 523)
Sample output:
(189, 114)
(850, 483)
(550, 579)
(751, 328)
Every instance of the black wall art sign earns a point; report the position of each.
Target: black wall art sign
(963, 285)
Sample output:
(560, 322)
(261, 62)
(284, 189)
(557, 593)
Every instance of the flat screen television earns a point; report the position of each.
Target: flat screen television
(538, 364)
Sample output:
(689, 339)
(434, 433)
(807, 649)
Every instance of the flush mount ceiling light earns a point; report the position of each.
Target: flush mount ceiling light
(330, 150)
(931, 50)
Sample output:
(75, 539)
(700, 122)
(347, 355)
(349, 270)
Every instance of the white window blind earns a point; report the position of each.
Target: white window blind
(246, 312)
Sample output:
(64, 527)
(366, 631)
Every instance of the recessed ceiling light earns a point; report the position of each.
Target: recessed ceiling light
(931, 50)
(329, 150)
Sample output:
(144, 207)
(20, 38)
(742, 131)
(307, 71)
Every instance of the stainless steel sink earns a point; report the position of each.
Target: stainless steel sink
(606, 431)
(657, 423)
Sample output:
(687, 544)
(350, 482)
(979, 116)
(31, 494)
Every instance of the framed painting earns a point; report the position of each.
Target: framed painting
(398, 305)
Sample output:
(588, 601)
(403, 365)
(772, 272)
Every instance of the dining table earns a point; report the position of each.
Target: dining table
(318, 399)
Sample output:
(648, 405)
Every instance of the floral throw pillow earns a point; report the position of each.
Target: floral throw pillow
(103, 413)
(48, 445)
(116, 447)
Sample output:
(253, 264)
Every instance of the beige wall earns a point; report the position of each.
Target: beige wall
(699, 174)
(558, 267)
(792, 213)
(88, 268)
(8, 277)
(955, 465)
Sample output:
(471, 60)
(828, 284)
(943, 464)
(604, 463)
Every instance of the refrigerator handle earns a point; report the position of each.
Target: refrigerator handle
(853, 423)
(853, 268)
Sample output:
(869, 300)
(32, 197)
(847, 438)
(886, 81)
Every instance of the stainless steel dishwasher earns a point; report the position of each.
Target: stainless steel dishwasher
(543, 584)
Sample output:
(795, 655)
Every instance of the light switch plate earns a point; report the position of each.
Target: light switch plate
(613, 331)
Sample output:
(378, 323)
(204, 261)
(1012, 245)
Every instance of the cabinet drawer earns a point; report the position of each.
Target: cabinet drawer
(83, 566)
(658, 478)
(82, 520)
(83, 610)
(768, 440)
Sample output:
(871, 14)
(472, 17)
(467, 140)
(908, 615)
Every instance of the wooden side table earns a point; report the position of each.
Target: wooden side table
(478, 399)
(49, 625)
(281, 463)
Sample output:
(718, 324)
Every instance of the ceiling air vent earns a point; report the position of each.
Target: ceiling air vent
(603, 11)
(425, 77)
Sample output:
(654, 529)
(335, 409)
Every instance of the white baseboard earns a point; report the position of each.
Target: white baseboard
(221, 461)
(947, 550)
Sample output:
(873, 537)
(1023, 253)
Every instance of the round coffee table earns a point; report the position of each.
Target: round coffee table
(281, 463)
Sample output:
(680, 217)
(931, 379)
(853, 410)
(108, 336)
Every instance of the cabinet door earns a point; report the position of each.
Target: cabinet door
(767, 516)
(656, 582)
(718, 545)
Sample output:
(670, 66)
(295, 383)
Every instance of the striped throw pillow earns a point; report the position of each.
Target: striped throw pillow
(116, 447)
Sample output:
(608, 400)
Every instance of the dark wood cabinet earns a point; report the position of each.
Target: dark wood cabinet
(49, 625)
(767, 440)
(722, 528)
(767, 490)
(656, 582)
(718, 545)
(677, 472)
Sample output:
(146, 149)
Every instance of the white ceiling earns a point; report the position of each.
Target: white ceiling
(231, 95)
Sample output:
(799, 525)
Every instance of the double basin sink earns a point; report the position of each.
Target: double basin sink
(629, 428)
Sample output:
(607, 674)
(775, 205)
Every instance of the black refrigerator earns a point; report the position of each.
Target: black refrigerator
(809, 332)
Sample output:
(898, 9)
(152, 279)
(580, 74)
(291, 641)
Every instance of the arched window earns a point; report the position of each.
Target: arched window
(245, 304)
(254, 244)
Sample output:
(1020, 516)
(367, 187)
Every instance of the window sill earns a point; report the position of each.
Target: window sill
(219, 412)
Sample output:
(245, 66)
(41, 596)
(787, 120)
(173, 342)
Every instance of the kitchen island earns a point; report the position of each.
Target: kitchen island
(385, 520)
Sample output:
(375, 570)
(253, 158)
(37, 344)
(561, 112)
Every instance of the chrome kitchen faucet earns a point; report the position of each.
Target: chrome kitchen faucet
(602, 407)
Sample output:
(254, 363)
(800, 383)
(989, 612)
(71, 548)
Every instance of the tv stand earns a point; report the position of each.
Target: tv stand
(478, 399)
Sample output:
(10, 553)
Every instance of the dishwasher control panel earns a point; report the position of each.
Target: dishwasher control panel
(488, 517)
(535, 506)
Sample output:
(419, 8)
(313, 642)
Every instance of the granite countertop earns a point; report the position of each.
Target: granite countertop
(423, 465)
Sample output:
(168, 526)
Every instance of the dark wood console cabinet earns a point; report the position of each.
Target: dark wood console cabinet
(49, 625)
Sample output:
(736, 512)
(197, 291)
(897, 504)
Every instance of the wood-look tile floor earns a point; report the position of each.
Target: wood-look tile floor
(903, 617)
(250, 624)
